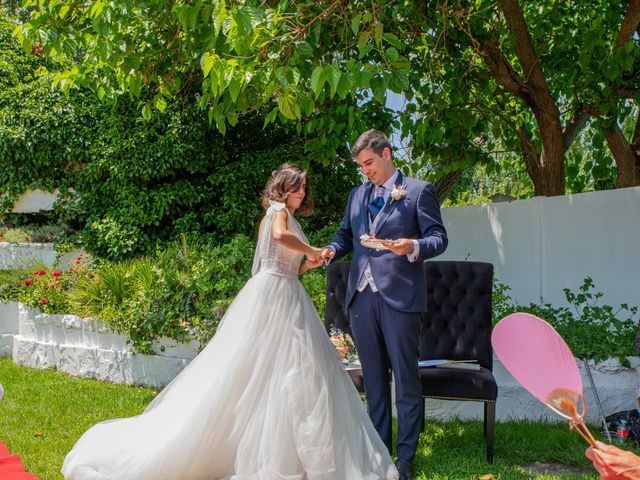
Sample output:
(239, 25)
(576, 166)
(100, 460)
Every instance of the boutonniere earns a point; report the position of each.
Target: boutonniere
(398, 192)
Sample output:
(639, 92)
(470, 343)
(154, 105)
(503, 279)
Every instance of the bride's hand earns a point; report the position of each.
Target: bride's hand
(314, 254)
(310, 265)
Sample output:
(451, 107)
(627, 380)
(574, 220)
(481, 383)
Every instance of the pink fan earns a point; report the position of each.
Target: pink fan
(537, 356)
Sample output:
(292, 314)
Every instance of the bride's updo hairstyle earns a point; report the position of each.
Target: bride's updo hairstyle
(285, 179)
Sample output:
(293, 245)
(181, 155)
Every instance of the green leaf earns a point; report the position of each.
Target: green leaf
(366, 75)
(318, 77)
(611, 71)
(344, 86)
(204, 100)
(243, 21)
(306, 104)
(146, 112)
(234, 88)
(287, 105)
(160, 103)
(207, 61)
(333, 76)
(378, 30)
(355, 24)
(135, 85)
(379, 90)
(232, 118)
(270, 117)
(96, 9)
(392, 54)
(393, 40)
(400, 77)
(219, 15)
(304, 49)
(363, 43)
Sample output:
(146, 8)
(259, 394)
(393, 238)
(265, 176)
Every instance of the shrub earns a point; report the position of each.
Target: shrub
(10, 283)
(14, 235)
(47, 289)
(130, 185)
(180, 292)
(596, 331)
(35, 233)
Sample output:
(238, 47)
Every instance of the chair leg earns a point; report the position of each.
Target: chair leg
(422, 415)
(489, 428)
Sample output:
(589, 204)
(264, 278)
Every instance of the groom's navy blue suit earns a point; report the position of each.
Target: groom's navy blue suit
(386, 324)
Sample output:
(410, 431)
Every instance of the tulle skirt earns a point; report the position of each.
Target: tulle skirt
(266, 399)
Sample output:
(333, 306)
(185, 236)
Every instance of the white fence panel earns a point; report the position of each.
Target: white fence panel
(542, 245)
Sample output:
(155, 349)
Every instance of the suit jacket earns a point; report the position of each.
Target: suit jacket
(417, 216)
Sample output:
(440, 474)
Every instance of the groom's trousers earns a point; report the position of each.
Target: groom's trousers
(388, 339)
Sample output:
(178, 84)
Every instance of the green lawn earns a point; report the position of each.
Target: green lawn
(44, 412)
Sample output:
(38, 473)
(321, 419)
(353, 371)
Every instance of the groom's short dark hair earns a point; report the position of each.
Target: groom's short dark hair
(373, 139)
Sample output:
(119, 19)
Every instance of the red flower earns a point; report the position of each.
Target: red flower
(28, 282)
(53, 285)
(56, 274)
(44, 301)
(42, 272)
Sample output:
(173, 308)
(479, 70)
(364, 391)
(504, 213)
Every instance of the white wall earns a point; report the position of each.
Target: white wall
(35, 201)
(542, 245)
(25, 255)
(86, 348)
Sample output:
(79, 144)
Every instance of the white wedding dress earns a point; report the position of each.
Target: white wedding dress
(266, 399)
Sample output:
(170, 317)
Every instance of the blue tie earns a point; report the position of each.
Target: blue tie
(376, 205)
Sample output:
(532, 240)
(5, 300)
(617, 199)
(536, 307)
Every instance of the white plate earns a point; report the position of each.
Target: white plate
(376, 243)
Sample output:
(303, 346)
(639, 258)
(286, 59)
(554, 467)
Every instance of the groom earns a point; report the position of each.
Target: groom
(386, 291)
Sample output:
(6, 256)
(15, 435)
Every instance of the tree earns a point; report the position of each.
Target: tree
(618, 100)
(127, 184)
(500, 77)
(480, 78)
(302, 57)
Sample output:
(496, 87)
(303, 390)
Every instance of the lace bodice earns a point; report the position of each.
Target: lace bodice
(271, 256)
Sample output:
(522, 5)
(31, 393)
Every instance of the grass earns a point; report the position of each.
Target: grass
(44, 412)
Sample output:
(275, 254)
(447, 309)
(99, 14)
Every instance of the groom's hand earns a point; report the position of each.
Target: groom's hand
(327, 254)
(400, 246)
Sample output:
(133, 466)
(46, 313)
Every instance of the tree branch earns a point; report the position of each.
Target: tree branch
(574, 126)
(504, 73)
(624, 156)
(527, 55)
(629, 25)
(635, 140)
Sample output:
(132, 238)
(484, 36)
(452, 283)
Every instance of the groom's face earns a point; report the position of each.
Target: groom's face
(377, 168)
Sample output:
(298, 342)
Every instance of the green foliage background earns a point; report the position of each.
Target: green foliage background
(129, 184)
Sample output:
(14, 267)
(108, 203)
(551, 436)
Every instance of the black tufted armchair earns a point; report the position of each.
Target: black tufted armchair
(456, 327)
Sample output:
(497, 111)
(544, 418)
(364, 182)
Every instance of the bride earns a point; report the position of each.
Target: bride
(266, 399)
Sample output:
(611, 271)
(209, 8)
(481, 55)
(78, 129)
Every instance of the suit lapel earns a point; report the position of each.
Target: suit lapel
(364, 207)
(389, 207)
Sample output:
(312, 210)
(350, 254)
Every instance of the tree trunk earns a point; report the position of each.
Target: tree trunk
(625, 153)
(549, 180)
(444, 185)
(627, 160)
(552, 167)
